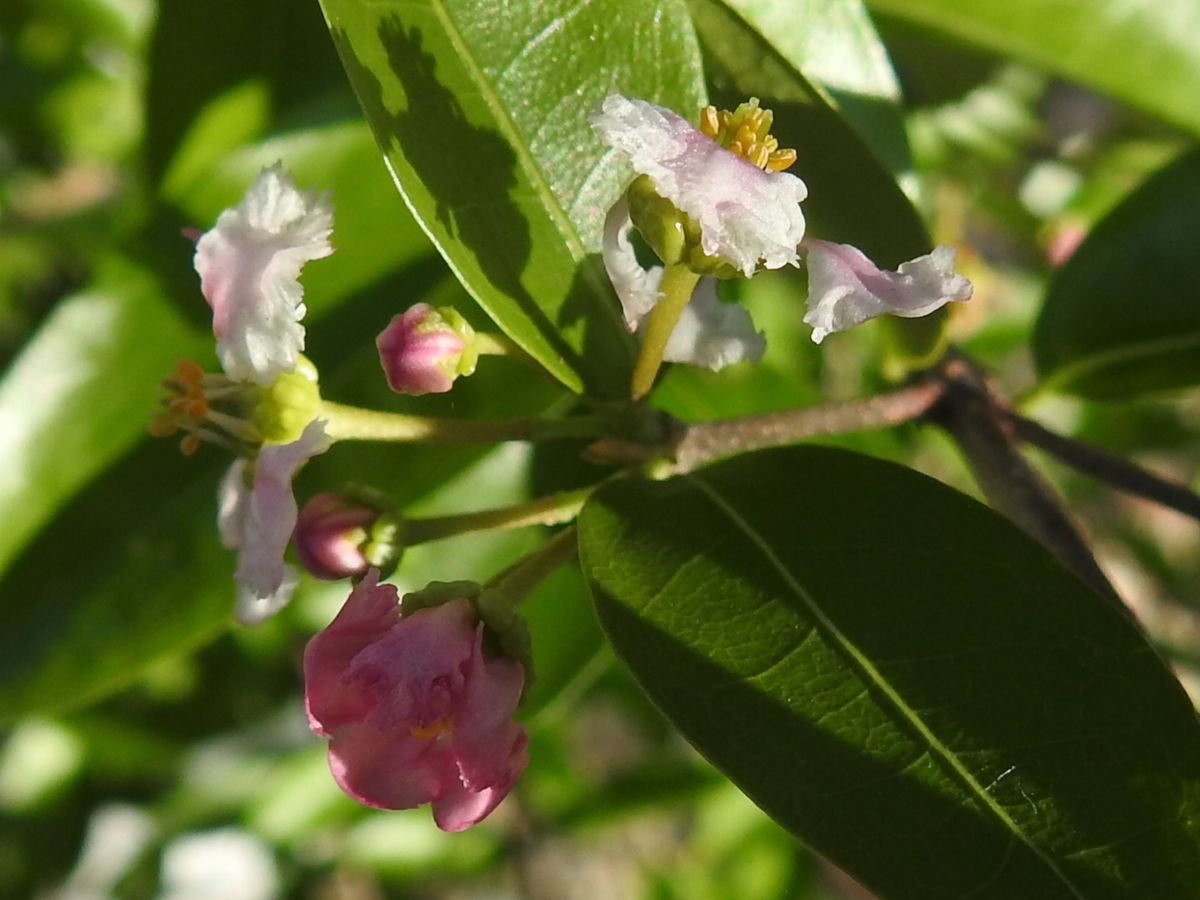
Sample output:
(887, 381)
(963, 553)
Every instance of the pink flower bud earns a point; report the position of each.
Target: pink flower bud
(414, 711)
(424, 349)
(331, 534)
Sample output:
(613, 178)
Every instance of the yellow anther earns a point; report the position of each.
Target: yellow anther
(745, 132)
(432, 730)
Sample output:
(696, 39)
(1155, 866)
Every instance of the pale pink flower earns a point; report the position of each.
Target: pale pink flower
(845, 288)
(249, 264)
(748, 217)
(256, 516)
(424, 350)
(709, 333)
(414, 711)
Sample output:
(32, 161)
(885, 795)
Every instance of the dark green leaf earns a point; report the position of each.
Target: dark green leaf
(1121, 316)
(1147, 54)
(483, 119)
(902, 678)
(835, 46)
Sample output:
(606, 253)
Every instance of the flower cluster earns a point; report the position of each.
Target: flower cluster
(716, 199)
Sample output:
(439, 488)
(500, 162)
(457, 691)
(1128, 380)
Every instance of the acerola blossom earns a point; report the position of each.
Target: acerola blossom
(709, 333)
(424, 350)
(845, 288)
(747, 215)
(249, 263)
(414, 711)
(256, 516)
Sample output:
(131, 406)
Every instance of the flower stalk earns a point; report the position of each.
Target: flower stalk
(352, 423)
(554, 509)
(675, 290)
(520, 579)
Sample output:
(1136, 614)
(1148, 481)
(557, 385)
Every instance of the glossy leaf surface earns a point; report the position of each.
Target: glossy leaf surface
(1147, 54)
(482, 116)
(903, 679)
(1121, 316)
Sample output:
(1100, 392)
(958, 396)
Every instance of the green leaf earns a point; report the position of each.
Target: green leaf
(81, 393)
(1121, 317)
(1146, 54)
(483, 120)
(902, 678)
(835, 46)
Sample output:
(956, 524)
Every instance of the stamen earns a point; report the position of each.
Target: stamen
(745, 132)
(207, 407)
(432, 730)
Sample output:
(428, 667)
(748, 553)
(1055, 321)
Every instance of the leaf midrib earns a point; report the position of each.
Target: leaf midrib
(508, 128)
(868, 671)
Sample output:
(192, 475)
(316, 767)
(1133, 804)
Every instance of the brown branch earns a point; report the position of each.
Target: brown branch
(1112, 470)
(703, 442)
(975, 417)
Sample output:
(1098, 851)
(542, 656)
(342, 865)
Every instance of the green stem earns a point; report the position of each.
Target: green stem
(554, 509)
(517, 582)
(350, 423)
(676, 288)
(488, 343)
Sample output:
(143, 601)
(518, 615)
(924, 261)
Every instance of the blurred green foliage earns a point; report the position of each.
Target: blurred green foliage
(134, 715)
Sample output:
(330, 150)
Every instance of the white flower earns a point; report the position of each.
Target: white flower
(709, 333)
(257, 520)
(712, 333)
(747, 216)
(249, 263)
(845, 288)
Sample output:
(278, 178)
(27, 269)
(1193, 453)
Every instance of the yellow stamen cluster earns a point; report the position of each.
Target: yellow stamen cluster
(746, 132)
(188, 407)
(432, 730)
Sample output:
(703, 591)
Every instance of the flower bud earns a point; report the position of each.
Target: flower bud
(424, 349)
(341, 537)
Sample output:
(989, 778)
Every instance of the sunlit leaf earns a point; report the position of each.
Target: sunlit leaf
(483, 120)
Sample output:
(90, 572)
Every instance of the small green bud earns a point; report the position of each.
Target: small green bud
(286, 406)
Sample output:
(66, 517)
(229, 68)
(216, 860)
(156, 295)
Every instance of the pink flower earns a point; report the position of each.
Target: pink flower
(331, 535)
(414, 711)
(424, 349)
(845, 288)
(256, 516)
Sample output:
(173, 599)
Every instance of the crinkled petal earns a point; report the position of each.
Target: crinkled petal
(370, 612)
(746, 216)
(267, 524)
(713, 334)
(845, 288)
(485, 738)
(389, 769)
(417, 669)
(249, 265)
(637, 288)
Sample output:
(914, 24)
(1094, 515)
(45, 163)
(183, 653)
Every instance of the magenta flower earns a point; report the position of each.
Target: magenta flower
(414, 711)
(329, 537)
(424, 349)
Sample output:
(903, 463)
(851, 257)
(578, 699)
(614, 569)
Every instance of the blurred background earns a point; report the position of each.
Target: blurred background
(148, 748)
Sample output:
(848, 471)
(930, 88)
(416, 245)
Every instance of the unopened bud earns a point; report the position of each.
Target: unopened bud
(340, 537)
(424, 349)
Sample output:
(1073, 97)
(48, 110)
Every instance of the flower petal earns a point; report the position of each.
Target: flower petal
(637, 288)
(845, 288)
(389, 769)
(746, 216)
(713, 334)
(249, 263)
(267, 521)
(369, 612)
